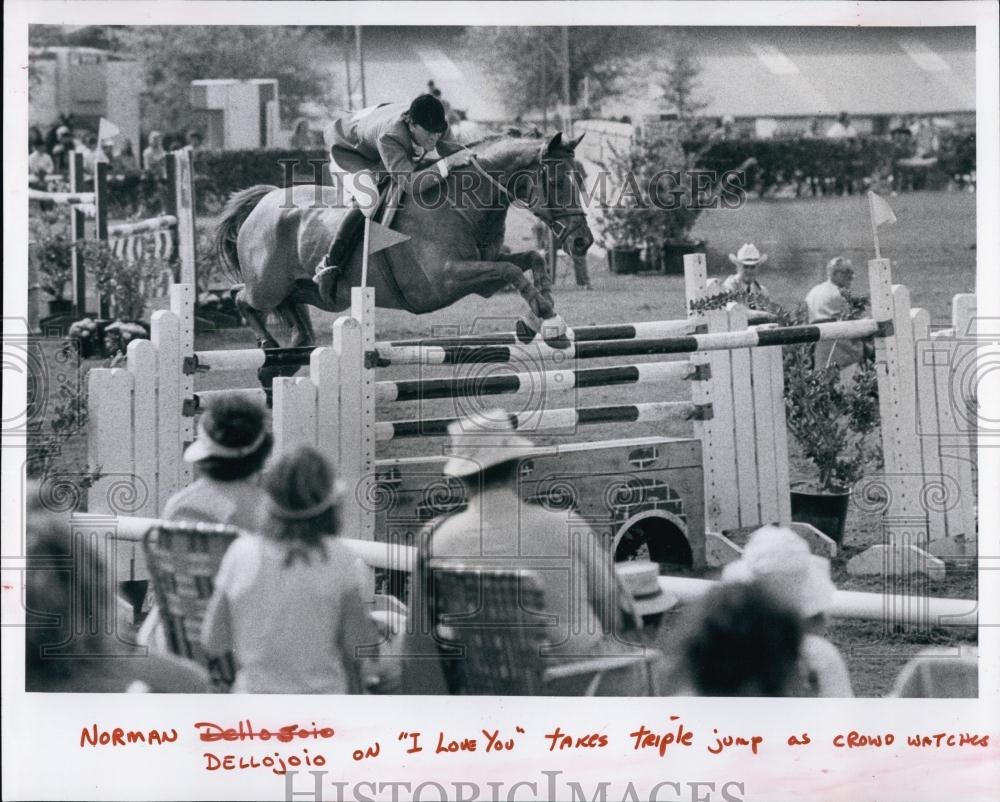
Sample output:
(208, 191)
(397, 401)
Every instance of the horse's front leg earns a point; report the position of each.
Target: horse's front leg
(478, 277)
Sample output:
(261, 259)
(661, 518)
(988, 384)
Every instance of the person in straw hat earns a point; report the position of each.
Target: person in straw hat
(289, 603)
(747, 260)
(779, 559)
(573, 566)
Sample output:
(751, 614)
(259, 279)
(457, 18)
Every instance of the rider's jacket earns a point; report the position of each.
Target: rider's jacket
(378, 139)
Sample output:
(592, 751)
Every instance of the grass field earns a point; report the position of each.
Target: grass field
(932, 249)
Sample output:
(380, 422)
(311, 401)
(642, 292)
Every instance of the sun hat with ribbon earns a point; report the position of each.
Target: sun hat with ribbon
(482, 440)
(232, 429)
(780, 559)
(748, 255)
(639, 579)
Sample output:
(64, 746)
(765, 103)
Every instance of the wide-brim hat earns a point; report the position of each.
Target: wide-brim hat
(780, 559)
(748, 255)
(483, 440)
(205, 447)
(640, 579)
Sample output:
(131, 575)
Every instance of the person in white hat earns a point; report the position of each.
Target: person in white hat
(779, 559)
(232, 446)
(573, 566)
(229, 453)
(747, 260)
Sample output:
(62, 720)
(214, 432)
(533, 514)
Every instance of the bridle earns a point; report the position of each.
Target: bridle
(552, 216)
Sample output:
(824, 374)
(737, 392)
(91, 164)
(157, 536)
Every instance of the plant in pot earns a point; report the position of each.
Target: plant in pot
(833, 423)
(52, 252)
(125, 285)
(621, 225)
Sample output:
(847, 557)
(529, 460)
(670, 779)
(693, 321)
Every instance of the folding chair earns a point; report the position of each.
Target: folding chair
(487, 614)
(183, 560)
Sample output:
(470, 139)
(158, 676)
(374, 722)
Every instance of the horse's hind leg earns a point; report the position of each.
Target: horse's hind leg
(256, 319)
(297, 317)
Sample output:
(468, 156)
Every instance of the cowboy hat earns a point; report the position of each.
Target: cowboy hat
(748, 255)
(483, 440)
(780, 559)
(645, 596)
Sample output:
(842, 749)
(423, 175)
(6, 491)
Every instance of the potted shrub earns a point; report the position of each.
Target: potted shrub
(620, 224)
(52, 252)
(125, 286)
(832, 421)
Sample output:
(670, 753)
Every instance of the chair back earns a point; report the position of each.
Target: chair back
(486, 613)
(183, 560)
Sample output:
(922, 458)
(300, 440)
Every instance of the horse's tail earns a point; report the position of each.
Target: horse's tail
(235, 213)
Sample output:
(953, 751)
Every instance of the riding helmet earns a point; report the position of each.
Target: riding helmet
(428, 112)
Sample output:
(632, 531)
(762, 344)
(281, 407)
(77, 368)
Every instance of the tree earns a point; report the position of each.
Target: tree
(173, 56)
(519, 58)
(679, 81)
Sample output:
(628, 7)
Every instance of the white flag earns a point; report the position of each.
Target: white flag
(880, 211)
(107, 130)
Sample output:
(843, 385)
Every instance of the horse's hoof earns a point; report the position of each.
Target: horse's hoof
(556, 333)
(528, 327)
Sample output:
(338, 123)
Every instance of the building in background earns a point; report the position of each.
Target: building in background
(237, 115)
(86, 83)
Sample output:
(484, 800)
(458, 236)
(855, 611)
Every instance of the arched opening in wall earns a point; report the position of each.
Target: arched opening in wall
(655, 536)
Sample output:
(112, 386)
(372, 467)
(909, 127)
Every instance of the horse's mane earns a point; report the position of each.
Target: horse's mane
(514, 150)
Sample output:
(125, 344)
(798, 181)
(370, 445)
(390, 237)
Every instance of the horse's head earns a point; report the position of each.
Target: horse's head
(554, 195)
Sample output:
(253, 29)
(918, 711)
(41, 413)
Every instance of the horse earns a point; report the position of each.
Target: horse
(271, 239)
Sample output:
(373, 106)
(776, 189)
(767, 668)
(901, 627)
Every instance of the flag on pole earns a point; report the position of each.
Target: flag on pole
(880, 211)
(107, 130)
(382, 237)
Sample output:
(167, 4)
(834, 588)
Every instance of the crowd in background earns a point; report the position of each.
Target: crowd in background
(291, 604)
(51, 152)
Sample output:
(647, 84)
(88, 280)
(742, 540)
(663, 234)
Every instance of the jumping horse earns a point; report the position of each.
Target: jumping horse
(270, 239)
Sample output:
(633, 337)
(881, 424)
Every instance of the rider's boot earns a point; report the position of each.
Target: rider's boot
(343, 244)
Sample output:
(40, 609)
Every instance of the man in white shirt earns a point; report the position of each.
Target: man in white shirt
(827, 302)
(842, 129)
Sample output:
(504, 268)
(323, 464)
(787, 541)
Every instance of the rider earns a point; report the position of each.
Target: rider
(374, 145)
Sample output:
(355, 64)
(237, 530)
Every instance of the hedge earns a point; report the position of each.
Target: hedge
(820, 164)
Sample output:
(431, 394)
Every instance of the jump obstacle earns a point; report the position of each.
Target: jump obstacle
(925, 494)
(169, 236)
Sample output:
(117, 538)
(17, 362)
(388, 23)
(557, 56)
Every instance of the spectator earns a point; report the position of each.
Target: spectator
(233, 444)
(63, 150)
(35, 135)
(70, 645)
(814, 131)
(747, 260)
(843, 128)
(572, 564)
(289, 603)
(193, 141)
(779, 560)
(154, 157)
(124, 162)
(301, 135)
(93, 153)
(40, 163)
(738, 640)
(725, 131)
(827, 302)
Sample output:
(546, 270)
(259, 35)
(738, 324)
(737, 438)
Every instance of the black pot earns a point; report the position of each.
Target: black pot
(624, 260)
(60, 306)
(674, 251)
(826, 511)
